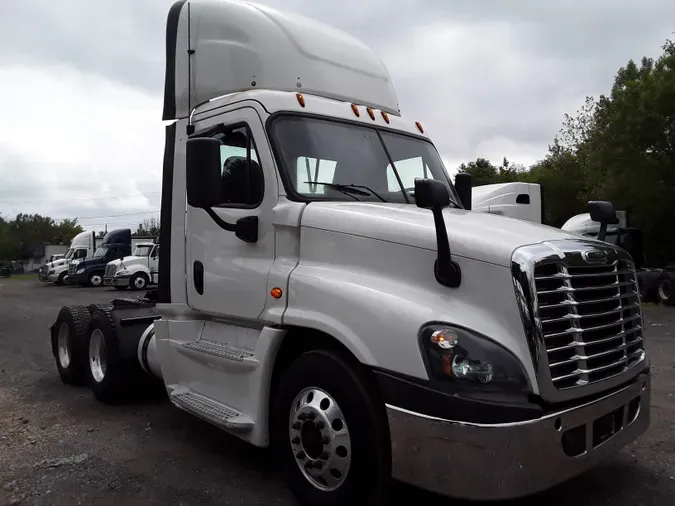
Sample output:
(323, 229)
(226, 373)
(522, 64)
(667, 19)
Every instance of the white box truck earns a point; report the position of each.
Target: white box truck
(324, 291)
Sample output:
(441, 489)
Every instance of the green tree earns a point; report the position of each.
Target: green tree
(149, 227)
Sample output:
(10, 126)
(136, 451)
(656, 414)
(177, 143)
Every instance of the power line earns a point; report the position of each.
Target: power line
(75, 200)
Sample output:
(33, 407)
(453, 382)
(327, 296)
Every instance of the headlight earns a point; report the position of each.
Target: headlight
(463, 357)
(79, 271)
(121, 272)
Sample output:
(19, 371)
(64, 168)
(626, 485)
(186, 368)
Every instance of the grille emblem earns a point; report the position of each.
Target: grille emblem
(594, 257)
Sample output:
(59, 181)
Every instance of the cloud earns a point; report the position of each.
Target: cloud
(83, 82)
(72, 140)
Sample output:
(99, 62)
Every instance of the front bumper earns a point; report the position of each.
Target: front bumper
(510, 460)
(78, 279)
(120, 281)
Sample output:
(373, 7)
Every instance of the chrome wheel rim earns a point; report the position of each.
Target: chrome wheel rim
(97, 356)
(63, 350)
(320, 439)
(139, 282)
(96, 280)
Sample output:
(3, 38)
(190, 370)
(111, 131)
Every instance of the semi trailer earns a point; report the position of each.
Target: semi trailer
(326, 291)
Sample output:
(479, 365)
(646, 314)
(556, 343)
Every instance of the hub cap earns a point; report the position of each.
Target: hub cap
(320, 439)
(62, 346)
(97, 355)
(139, 282)
(96, 279)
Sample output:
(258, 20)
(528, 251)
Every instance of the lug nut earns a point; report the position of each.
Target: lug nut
(296, 426)
(300, 455)
(295, 440)
(320, 424)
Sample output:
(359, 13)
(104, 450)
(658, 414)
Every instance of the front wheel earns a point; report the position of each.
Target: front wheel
(330, 434)
(95, 279)
(138, 281)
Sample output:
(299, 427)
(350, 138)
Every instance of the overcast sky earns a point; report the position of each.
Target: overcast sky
(81, 85)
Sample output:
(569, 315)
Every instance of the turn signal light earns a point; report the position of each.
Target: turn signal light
(356, 110)
(419, 127)
(301, 99)
(276, 293)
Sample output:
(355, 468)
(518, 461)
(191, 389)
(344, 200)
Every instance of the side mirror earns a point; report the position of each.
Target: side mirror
(464, 189)
(434, 195)
(431, 193)
(604, 213)
(203, 172)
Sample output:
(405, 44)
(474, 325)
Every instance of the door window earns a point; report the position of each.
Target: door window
(242, 180)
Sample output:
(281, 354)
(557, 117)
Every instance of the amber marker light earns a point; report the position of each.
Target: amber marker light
(356, 110)
(276, 293)
(301, 99)
(371, 113)
(385, 116)
(419, 126)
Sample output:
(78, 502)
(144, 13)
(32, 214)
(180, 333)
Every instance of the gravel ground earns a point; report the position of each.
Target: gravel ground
(59, 446)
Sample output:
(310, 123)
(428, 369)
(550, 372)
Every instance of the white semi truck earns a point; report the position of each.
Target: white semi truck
(82, 246)
(138, 271)
(324, 291)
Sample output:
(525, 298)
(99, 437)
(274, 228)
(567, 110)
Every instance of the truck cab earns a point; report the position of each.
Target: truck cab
(90, 271)
(138, 271)
(81, 247)
(518, 200)
(325, 289)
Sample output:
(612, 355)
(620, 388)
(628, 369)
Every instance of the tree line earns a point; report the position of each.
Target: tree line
(23, 237)
(619, 147)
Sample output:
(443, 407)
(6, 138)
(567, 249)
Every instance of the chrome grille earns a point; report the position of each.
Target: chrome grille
(591, 320)
(110, 270)
(71, 269)
(580, 306)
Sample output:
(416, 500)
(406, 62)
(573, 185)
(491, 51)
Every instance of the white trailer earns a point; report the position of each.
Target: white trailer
(324, 290)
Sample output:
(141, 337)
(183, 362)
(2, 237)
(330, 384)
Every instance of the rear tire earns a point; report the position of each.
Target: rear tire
(666, 288)
(69, 337)
(348, 434)
(111, 380)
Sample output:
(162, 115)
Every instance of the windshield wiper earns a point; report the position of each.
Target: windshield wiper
(348, 189)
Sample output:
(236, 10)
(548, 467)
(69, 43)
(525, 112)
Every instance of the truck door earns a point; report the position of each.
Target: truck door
(153, 264)
(225, 275)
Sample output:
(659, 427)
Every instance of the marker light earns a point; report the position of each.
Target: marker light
(276, 293)
(301, 99)
(371, 113)
(419, 126)
(356, 110)
(385, 116)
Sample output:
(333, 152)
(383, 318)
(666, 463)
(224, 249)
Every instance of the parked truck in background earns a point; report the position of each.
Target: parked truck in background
(90, 271)
(82, 246)
(325, 291)
(138, 271)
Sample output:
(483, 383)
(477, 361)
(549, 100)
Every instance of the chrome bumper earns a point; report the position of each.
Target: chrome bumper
(505, 461)
(119, 281)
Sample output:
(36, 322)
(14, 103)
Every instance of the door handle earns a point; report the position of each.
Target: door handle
(198, 276)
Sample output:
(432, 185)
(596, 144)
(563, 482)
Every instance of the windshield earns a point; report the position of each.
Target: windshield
(100, 252)
(142, 251)
(69, 253)
(315, 151)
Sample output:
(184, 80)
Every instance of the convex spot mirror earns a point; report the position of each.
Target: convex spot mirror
(203, 172)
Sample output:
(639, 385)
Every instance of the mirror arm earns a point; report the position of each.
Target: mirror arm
(246, 228)
(446, 270)
(219, 221)
(602, 233)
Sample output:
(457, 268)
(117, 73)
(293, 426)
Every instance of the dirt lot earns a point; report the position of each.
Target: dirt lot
(59, 446)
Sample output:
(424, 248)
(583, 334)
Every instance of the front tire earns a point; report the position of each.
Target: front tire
(330, 434)
(138, 281)
(95, 279)
(61, 279)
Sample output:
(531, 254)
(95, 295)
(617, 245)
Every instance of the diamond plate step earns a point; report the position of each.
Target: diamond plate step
(222, 350)
(211, 410)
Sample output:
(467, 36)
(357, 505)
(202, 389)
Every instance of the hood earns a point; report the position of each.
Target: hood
(56, 263)
(91, 261)
(480, 236)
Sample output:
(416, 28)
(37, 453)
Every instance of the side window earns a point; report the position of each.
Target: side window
(242, 180)
(408, 171)
(311, 170)
(80, 253)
